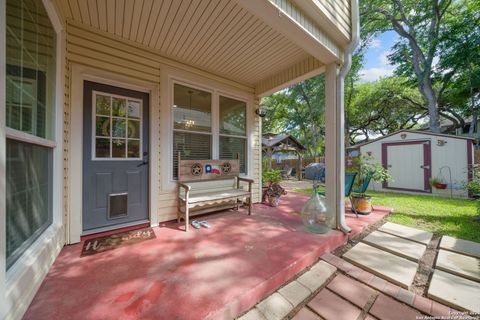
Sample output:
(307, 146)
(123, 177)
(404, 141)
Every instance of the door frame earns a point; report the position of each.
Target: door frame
(74, 182)
(427, 161)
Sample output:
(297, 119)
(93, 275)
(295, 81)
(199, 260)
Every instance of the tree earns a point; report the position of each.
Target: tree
(383, 107)
(419, 24)
(458, 70)
(299, 110)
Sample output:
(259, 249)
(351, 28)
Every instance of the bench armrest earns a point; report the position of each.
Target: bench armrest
(249, 181)
(185, 186)
(187, 190)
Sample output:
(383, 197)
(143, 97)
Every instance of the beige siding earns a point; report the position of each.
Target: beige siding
(101, 50)
(311, 24)
(298, 72)
(338, 12)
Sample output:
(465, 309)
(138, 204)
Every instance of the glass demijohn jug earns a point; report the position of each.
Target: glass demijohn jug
(315, 216)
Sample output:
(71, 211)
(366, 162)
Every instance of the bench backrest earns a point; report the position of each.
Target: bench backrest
(204, 170)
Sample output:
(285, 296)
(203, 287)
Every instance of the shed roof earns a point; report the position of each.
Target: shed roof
(410, 131)
(279, 140)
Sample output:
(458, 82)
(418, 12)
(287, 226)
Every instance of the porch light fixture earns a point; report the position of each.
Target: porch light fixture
(261, 111)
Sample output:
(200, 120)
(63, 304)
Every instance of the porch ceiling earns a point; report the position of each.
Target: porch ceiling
(220, 37)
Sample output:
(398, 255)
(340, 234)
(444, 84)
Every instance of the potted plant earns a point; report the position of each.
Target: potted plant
(437, 183)
(272, 190)
(366, 169)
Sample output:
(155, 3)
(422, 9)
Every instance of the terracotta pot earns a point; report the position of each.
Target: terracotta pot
(363, 204)
(273, 201)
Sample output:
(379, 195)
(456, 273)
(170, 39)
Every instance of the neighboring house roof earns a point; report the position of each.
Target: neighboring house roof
(281, 141)
(410, 131)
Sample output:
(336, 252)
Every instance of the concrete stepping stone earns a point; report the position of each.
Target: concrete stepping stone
(384, 264)
(469, 248)
(407, 232)
(455, 291)
(459, 264)
(396, 245)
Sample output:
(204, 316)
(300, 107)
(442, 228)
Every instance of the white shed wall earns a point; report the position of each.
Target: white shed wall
(454, 154)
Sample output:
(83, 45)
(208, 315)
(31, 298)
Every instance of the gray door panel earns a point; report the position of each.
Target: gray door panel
(115, 191)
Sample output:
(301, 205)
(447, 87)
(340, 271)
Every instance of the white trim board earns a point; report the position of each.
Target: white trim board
(79, 74)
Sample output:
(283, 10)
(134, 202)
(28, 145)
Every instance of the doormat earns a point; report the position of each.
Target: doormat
(102, 244)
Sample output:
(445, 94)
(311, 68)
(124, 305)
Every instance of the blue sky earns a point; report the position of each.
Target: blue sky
(376, 61)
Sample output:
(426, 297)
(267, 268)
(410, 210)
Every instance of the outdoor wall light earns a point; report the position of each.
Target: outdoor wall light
(261, 111)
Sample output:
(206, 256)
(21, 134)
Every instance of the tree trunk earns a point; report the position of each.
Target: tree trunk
(473, 124)
(428, 93)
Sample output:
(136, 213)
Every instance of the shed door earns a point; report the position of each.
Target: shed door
(115, 149)
(409, 165)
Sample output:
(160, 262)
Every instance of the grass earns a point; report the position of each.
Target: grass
(442, 216)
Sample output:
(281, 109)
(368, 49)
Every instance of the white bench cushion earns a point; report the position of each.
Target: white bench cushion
(215, 195)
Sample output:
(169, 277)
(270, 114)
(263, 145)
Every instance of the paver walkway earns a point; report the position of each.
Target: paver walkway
(337, 289)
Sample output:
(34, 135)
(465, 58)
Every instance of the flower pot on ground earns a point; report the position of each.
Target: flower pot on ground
(272, 190)
(367, 172)
(362, 203)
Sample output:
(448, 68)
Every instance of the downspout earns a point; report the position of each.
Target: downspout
(340, 221)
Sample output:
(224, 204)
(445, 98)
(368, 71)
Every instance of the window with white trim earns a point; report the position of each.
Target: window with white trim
(233, 130)
(29, 100)
(192, 124)
(193, 133)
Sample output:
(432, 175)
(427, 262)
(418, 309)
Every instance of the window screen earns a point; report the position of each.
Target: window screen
(29, 191)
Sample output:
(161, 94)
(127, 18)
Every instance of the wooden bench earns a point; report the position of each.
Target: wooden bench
(210, 185)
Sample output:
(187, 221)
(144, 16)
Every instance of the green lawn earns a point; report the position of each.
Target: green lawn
(443, 216)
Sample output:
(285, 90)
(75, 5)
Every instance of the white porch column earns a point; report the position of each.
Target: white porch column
(335, 145)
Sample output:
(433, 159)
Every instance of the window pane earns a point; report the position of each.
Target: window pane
(103, 105)
(29, 191)
(102, 148)
(133, 129)
(133, 148)
(134, 109)
(119, 107)
(230, 147)
(192, 109)
(191, 146)
(233, 116)
(118, 128)
(102, 126)
(119, 148)
(30, 75)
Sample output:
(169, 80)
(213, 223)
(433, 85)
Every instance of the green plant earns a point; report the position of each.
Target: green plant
(474, 185)
(364, 166)
(272, 176)
(434, 181)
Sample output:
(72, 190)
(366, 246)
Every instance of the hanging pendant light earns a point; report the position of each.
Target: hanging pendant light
(188, 123)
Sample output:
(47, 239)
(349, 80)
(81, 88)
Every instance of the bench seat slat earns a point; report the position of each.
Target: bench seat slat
(216, 195)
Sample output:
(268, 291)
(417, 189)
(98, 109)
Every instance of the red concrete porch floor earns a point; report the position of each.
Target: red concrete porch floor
(215, 273)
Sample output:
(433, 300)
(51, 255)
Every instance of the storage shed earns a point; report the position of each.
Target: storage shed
(414, 157)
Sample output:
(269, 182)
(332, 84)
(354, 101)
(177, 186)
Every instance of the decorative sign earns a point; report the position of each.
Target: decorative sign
(196, 169)
(208, 169)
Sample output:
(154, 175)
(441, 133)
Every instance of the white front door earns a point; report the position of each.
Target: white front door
(409, 165)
